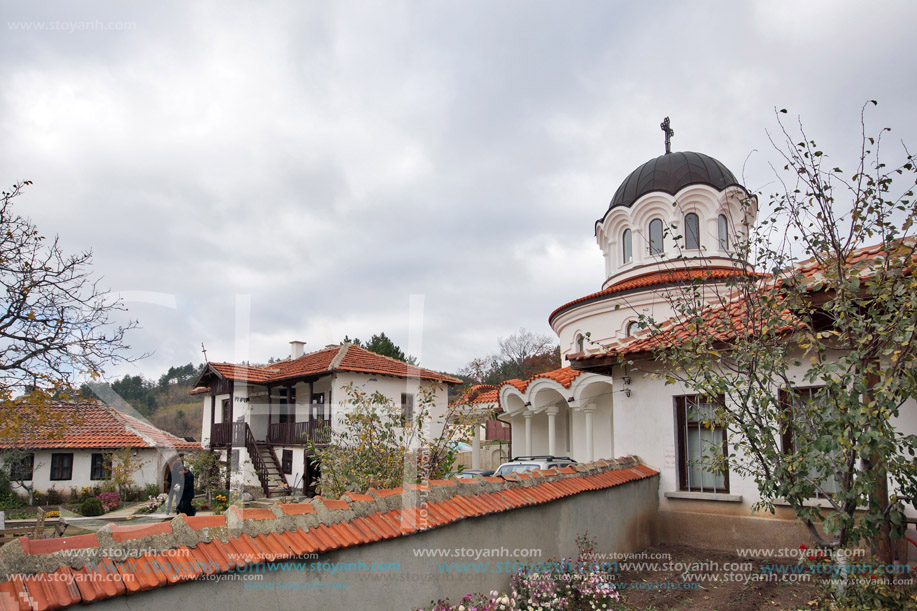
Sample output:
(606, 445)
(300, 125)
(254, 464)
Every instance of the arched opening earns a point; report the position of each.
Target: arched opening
(597, 398)
(627, 252)
(722, 229)
(656, 237)
(692, 231)
(632, 328)
(546, 401)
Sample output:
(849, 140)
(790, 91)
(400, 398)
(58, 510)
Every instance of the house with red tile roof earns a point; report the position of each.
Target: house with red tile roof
(672, 224)
(262, 418)
(74, 449)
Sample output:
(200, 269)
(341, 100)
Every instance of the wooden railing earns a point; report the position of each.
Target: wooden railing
(228, 434)
(498, 431)
(254, 454)
(299, 433)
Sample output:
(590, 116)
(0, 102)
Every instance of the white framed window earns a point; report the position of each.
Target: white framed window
(627, 251)
(722, 231)
(656, 237)
(692, 231)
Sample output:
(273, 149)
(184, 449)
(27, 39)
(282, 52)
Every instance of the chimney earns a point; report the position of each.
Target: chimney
(296, 349)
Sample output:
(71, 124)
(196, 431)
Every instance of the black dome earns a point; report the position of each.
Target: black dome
(671, 173)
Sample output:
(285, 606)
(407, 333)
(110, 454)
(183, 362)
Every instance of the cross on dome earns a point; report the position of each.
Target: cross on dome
(666, 126)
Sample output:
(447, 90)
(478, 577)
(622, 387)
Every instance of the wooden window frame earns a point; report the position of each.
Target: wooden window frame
(60, 460)
(682, 424)
(25, 464)
(407, 408)
(100, 466)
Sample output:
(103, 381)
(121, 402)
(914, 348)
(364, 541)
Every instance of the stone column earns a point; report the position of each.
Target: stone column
(552, 430)
(528, 432)
(590, 441)
(476, 448)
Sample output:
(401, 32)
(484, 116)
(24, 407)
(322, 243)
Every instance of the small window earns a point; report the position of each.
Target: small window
(697, 444)
(656, 237)
(21, 468)
(61, 466)
(632, 328)
(286, 462)
(580, 343)
(407, 408)
(722, 230)
(101, 466)
(318, 406)
(692, 231)
(626, 247)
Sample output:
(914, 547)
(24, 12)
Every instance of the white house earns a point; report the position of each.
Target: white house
(595, 407)
(74, 449)
(261, 418)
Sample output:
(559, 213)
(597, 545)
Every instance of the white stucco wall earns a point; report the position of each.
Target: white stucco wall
(150, 471)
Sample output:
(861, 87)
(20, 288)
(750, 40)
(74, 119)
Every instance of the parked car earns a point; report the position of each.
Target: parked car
(469, 473)
(527, 463)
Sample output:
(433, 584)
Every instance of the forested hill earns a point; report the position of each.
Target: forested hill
(166, 402)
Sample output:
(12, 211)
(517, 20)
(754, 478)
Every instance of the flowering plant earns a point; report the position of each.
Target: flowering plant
(110, 500)
(553, 585)
(155, 502)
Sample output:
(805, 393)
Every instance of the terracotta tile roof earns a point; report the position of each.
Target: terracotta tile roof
(346, 357)
(479, 394)
(48, 574)
(654, 279)
(94, 425)
(564, 376)
(724, 322)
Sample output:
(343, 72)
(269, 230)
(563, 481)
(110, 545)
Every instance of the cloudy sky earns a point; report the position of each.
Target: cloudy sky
(248, 174)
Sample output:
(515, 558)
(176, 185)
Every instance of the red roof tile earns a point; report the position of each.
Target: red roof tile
(346, 357)
(655, 278)
(94, 425)
(65, 587)
(295, 509)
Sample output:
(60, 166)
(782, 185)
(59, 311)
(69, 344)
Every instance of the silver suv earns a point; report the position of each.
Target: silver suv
(527, 463)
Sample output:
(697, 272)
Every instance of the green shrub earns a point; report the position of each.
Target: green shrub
(53, 497)
(92, 507)
(151, 490)
(8, 498)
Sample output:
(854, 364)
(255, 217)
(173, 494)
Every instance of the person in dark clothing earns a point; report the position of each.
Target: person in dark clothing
(187, 493)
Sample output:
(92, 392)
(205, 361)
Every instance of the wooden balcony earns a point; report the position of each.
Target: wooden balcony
(228, 435)
(299, 433)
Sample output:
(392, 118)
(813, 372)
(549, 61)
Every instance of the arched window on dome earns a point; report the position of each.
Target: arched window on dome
(626, 247)
(692, 231)
(656, 237)
(722, 230)
(632, 328)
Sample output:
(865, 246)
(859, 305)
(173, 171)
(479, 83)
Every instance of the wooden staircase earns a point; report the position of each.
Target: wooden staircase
(272, 479)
